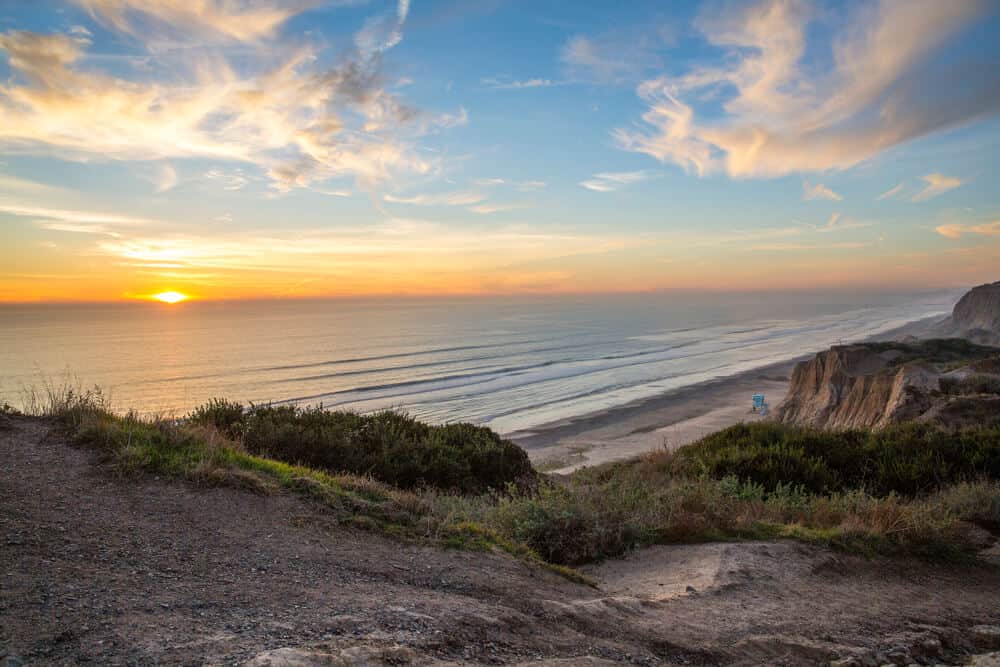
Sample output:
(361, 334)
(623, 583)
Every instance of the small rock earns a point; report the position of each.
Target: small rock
(12, 661)
(845, 662)
(899, 657)
(986, 636)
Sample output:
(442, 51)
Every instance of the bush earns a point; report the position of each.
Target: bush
(390, 446)
(907, 459)
(973, 384)
(221, 413)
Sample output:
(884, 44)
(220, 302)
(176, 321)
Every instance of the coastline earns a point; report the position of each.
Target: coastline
(669, 420)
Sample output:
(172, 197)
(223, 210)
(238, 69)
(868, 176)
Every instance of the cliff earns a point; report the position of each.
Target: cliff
(872, 385)
(976, 316)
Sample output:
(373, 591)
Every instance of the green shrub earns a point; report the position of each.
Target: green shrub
(907, 459)
(973, 384)
(389, 446)
(221, 413)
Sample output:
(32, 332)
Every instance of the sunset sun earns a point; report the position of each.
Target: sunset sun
(170, 297)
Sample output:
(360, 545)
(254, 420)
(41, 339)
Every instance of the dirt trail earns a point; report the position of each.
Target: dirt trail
(105, 572)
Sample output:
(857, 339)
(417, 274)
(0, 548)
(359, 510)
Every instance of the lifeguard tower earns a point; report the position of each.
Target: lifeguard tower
(759, 405)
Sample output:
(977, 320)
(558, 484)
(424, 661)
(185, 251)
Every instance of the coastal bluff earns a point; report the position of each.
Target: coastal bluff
(950, 381)
(975, 317)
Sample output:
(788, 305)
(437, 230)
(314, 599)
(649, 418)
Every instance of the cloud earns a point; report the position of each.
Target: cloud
(75, 221)
(498, 84)
(819, 191)
(441, 199)
(780, 117)
(936, 184)
(611, 181)
(459, 119)
(244, 21)
(530, 186)
(487, 209)
(230, 180)
(488, 182)
(298, 122)
(891, 192)
(789, 247)
(616, 55)
(955, 231)
(838, 223)
(164, 178)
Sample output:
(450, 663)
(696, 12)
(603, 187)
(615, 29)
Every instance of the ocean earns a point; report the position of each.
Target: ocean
(509, 363)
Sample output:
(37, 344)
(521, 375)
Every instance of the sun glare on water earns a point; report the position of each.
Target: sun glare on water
(170, 297)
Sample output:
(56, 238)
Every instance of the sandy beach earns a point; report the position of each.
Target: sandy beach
(671, 420)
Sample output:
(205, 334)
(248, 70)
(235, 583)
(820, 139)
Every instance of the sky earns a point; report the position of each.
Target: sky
(301, 148)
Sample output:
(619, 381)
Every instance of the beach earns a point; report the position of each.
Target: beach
(670, 420)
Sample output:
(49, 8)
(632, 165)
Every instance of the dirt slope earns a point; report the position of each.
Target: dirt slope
(105, 572)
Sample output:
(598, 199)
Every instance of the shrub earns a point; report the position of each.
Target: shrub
(390, 446)
(221, 413)
(973, 384)
(908, 459)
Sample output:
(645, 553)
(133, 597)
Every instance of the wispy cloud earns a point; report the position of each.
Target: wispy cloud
(611, 181)
(488, 182)
(164, 178)
(502, 84)
(487, 209)
(956, 231)
(891, 192)
(229, 180)
(837, 223)
(74, 220)
(245, 21)
(818, 191)
(617, 55)
(780, 117)
(530, 186)
(791, 247)
(464, 198)
(937, 184)
(297, 121)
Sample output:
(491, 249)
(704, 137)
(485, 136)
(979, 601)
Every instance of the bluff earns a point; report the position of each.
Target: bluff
(950, 382)
(976, 316)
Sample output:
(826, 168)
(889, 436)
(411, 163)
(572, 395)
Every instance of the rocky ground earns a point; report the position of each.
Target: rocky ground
(106, 572)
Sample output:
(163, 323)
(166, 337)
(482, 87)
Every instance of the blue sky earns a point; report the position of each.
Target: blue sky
(267, 148)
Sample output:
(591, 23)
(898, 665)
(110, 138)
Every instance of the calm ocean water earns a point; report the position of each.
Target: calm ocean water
(511, 363)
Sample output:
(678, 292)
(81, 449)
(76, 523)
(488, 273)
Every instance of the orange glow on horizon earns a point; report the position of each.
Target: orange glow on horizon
(170, 297)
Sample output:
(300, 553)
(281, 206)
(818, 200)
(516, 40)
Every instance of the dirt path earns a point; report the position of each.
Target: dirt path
(105, 572)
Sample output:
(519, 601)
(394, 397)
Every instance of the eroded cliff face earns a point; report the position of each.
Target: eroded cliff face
(950, 383)
(852, 386)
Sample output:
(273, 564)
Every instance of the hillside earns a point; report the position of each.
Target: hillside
(102, 569)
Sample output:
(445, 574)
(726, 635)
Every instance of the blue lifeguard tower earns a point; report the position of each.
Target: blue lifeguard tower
(759, 405)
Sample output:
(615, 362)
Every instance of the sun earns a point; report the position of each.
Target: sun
(170, 297)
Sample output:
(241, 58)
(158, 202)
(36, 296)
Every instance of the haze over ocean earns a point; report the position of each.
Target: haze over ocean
(510, 363)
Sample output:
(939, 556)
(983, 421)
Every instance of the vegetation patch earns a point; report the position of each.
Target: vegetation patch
(907, 459)
(942, 353)
(910, 490)
(389, 446)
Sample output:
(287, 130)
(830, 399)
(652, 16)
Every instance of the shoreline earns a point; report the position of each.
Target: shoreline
(670, 420)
